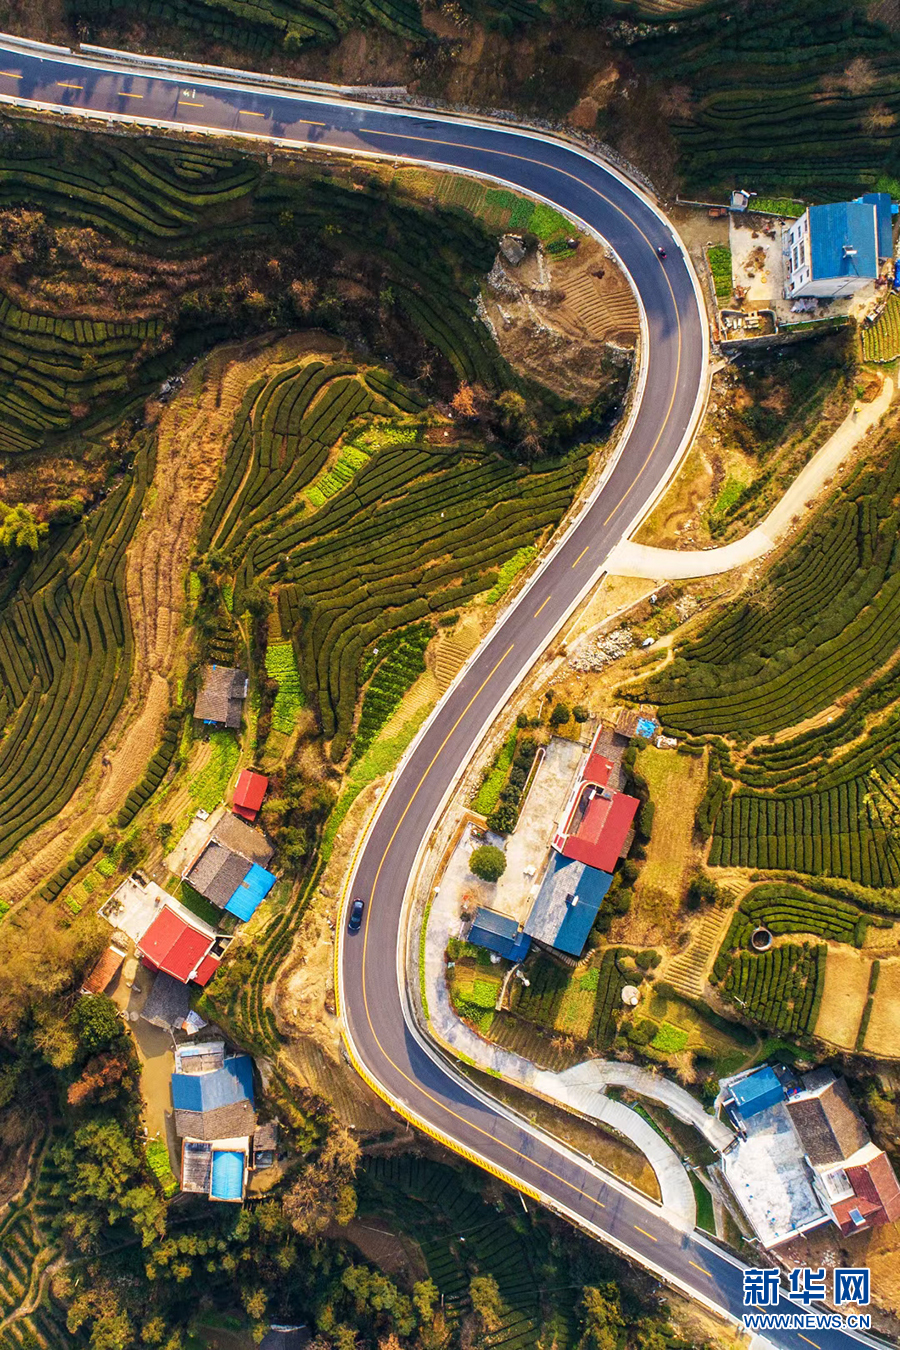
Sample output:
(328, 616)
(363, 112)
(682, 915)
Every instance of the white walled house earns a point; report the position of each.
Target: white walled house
(834, 250)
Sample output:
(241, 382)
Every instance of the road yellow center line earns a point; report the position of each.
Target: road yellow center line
(808, 1341)
(248, 112)
(11, 74)
(700, 1268)
(188, 103)
(62, 84)
(645, 1233)
(124, 94)
(543, 606)
(581, 555)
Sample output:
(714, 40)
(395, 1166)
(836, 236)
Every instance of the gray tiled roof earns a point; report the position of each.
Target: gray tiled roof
(831, 1129)
(217, 873)
(234, 1121)
(242, 838)
(168, 1003)
(221, 696)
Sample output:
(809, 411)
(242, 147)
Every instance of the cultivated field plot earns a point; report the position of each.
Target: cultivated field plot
(825, 622)
(676, 785)
(847, 974)
(882, 1035)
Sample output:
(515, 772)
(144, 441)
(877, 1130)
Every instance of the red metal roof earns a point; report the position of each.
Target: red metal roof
(249, 793)
(172, 945)
(602, 831)
(597, 770)
(206, 969)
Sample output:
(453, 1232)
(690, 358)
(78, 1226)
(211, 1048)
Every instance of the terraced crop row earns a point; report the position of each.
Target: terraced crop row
(782, 988)
(880, 341)
(65, 658)
(802, 103)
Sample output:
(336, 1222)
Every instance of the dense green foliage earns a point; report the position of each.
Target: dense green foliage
(823, 801)
(881, 340)
(65, 657)
(798, 96)
(487, 862)
(156, 769)
(781, 988)
(401, 658)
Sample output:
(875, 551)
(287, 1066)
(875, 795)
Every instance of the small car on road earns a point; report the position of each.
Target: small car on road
(354, 923)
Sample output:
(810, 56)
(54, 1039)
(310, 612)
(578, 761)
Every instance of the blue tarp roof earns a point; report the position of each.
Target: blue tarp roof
(499, 933)
(882, 203)
(227, 1182)
(251, 892)
(567, 904)
(834, 228)
(646, 727)
(223, 1087)
(757, 1092)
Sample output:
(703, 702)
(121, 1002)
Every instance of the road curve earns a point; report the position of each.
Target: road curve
(382, 1044)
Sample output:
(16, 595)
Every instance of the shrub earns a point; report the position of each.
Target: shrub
(488, 862)
(580, 713)
(560, 715)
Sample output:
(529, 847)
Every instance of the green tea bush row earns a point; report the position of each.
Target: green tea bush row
(781, 989)
(156, 770)
(394, 675)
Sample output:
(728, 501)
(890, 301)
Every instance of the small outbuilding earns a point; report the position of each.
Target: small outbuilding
(499, 933)
(220, 702)
(105, 971)
(249, 794)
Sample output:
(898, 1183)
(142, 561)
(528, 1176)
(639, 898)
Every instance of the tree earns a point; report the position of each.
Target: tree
(504, 818)
(580, 713)
(324, 1190)
(487, 1304)
(603, 1321)
(425, 1295)
(560, 715)
(96, 1021)
(19, 529)
(488, 863)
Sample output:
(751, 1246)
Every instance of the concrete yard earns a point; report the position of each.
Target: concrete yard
(770, 1180)
(528, 847)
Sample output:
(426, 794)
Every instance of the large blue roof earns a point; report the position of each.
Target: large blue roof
(882, 203)
(757, 1091)
(567, 904)
(223, 1087)
(227, 1181)
(499, 933)
(251, 892)
(836, 228)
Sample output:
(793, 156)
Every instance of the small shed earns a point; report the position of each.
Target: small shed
(105, 971)
(499, 933)
(249, 794)
(228, 1174)
(755, 1093)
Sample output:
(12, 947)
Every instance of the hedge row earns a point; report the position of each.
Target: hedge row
(65, 658)
(781, 988)
(70, 868)
(156, 769)
(395, 672)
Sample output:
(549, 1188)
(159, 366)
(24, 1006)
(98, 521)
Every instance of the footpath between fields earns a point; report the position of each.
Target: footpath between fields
(666, 564)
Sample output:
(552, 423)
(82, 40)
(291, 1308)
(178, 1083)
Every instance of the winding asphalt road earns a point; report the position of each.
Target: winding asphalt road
(381, 1037)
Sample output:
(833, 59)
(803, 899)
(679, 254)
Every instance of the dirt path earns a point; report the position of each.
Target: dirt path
(663, 564)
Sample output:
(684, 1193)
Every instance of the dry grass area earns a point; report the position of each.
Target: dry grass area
(846, 987)
(554, 318)
(609, 1150)
(676, 784)
(881, 1037)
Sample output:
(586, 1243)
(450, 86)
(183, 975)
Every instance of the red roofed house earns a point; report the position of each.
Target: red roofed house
(103, 973)
(181, 945)
(851, 1174)
(597, 822)
(249, 794)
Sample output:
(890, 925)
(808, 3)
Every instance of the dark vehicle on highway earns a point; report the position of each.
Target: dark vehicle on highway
(356, 912)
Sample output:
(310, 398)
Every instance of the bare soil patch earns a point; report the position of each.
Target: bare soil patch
(394, 1253)
(881, 1037)
(846, 986)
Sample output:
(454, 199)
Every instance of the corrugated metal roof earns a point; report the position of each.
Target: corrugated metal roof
(567, 904)
(836, 228)
(227, 1181)
(251, 892)
(499, 933)
(882, 203)
(758, 1091)
(206, 1091)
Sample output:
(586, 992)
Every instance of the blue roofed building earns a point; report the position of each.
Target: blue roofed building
(228, 1174)
(834, 250)
(250, 892)
(750, 1095)
(217, 1104)
(499, 933)
(567, 904)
